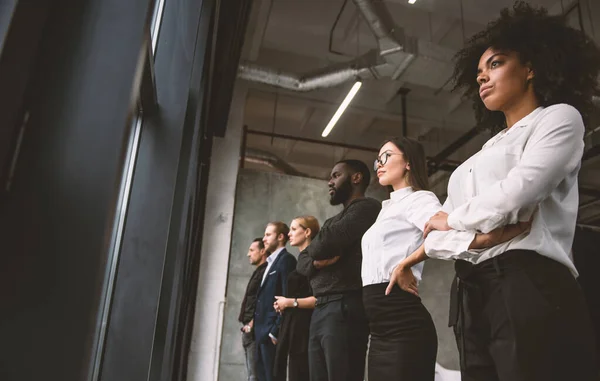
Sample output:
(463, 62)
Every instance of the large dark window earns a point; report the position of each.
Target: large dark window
(105, 144)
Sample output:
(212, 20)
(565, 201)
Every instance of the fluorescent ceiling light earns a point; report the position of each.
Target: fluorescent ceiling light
(412, 1)
(341, 109)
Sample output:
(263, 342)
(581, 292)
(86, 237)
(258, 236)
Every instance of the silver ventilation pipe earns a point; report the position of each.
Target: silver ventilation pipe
(334, 75)
(395, 54)
(270, 160)
(397, 49)
(390, 37)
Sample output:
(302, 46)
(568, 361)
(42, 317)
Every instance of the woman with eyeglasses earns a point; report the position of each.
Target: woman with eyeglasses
(403, 337)
(517, 309)
(296, 308)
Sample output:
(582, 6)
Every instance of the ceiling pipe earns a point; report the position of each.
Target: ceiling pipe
(397, 49)
(396, 52)
(389, 37)
(331, 76)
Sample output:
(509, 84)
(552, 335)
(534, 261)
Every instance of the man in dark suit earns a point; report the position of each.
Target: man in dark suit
(274, 282)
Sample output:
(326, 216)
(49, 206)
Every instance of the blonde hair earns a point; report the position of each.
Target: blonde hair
(309, 222)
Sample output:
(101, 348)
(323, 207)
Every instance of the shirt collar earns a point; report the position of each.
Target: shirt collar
(400, 194)
(271, 258)
(525, 121)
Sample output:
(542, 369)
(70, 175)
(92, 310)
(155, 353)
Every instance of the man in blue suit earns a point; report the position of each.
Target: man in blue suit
(274, 282)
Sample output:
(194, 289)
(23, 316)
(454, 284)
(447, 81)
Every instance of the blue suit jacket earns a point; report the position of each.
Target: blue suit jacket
(266, 320)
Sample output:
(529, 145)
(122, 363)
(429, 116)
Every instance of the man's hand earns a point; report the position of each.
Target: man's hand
(248, 327)
(404, 278)
(274, 341)
(325, 262)
(439, 221)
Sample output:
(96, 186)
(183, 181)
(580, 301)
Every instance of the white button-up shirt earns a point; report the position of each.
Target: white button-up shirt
(529, 169)
(270, 259)
(397, 233)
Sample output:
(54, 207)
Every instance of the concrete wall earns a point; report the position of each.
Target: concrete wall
(264, 196)
(210, 300)
(435, 294)
(261, 197)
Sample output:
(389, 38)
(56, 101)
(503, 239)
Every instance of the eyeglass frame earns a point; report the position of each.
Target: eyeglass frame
(383, 161)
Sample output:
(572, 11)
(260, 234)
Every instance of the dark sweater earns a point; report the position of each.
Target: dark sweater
(249, 302)
(340, 235)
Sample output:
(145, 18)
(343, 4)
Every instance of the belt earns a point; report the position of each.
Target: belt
(324, 299)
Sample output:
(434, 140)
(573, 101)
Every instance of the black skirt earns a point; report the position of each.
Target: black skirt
(293, 333)
(403, 337)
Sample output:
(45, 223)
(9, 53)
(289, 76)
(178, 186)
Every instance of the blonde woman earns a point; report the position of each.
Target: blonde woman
(296, 307)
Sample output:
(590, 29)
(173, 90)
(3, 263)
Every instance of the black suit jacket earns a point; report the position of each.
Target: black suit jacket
(266, 320)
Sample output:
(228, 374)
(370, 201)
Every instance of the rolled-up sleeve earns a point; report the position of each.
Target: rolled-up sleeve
(423, 208)
(448, 244)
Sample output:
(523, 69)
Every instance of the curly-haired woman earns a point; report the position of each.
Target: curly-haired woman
(516, 308)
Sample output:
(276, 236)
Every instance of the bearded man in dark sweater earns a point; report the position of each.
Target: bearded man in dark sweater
(339, 329)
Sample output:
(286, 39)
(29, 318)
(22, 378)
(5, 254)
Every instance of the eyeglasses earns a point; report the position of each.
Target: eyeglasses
(382, 159)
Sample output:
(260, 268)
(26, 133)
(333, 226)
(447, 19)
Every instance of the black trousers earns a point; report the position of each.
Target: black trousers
(521, 317)
(298, 367)
(403, 337)
(338, 339)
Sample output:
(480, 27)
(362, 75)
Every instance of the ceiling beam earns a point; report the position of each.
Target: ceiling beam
(443, 30)
(351, 28)
(259, 20)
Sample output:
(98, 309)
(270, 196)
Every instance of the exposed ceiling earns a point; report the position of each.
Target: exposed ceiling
(294, 36)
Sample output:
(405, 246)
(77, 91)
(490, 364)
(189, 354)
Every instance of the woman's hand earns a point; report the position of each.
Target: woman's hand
(439, 221)
(500, 235)
(281, 303)
(404, 278)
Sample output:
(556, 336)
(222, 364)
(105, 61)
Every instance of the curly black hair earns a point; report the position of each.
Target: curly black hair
(565, 61)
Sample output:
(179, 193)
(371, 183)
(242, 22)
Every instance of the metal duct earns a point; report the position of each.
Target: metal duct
(330, 76)
(273, 161)
(395, 47)
(396, 52)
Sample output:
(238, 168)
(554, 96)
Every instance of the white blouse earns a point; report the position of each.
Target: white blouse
(397, 233)
(529, 169)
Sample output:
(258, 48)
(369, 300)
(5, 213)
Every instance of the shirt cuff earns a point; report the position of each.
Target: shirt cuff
(448, 244)
(454, 223)
(272, 337)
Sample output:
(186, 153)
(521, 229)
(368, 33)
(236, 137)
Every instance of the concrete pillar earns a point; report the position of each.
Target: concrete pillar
(210, 300)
